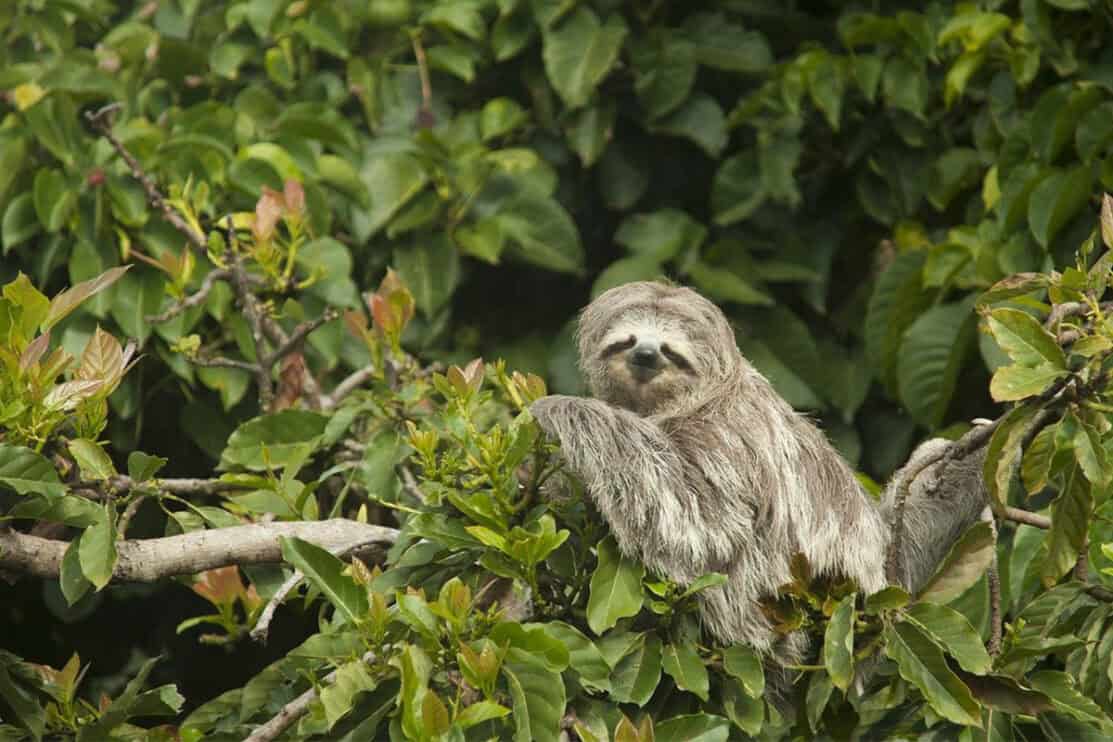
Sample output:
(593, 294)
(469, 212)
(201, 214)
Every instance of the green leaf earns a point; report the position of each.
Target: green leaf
(138, 296)
(838, 643)
(460, 16)
(27, 472)
(583, 656)
(325, 572)
(921, 663)
(97, 550)
(1070, 522)
(501, 116)
(661, 235)
(1060, 688)
(1024, 339)
(931, 357)
(964, 565)
(539, 699)
(391, 180)
(727, 46)
(815, 701)
(1056, 200)
(692, 728)
(1090, 453)
(338, 698)
(741, 662)
(415, 669)
(71, 579)
(272, 441)
(54, 200)
(21, 223)
(744, 711)
(737, 190)
(589, 130)
(91, 459)
(431, 270)
(664, 73)
(682, 662)
(725, 286)
(580, 52)
(542, 232)
(477, 713)
(616, 587)
(622, 176)
(637, 674)
(626, 270)
(1013, 383)
(700, 120)
(897, 300)
(952, 632)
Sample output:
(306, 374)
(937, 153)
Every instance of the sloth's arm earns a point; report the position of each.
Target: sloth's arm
(648, 490)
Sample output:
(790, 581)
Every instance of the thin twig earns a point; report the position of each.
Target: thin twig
(222, 362)
(263, 625)
(295, 709)
(409, 483)
(993, 581)
(425, 118)
(1016, 515)
(100, 121)
(293, 342)
(192, 300)
(129, 513)
(347, 386)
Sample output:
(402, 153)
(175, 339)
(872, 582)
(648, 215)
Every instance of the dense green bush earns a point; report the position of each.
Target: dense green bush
(847, 182)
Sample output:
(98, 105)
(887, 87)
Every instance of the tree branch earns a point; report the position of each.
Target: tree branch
(193, 300)
(148, 560)
(294, 710)
(1017, 515)
(99, 120)
(346, 387)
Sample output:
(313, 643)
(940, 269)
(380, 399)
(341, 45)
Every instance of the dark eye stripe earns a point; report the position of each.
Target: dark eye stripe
(678, 360)
(618, 347)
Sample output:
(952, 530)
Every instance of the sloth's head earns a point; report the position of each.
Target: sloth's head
(648, 346)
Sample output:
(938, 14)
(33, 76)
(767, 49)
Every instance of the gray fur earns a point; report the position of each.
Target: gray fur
(705, 468)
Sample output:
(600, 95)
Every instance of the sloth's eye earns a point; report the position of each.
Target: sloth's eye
(618, 347)
(678, 360)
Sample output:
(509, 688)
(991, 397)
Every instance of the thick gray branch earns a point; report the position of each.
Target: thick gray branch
(148, 560)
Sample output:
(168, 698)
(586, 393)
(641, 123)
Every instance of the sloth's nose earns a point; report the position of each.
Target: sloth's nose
(645, 356)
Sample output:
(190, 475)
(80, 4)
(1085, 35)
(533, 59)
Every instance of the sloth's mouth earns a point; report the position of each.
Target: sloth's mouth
(643, 374)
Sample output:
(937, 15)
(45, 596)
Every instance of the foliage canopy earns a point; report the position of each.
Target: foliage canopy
(903, 196)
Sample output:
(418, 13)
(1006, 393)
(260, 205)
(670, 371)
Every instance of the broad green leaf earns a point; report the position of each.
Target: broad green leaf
(1036, 466)
(1091, 454)
(1014, 383)
(28, 472)
(626, 270)
(20, 223)
(682, 662)
(460, 16)
(143, 466)
(431, 270)
(616, 587)
(579, 53)
(660, 235)
(583, 656)
(338, 697)
(1070, 521)
(501, 116)
(898, 299)
(622, 176)
(534, 641)
(539, 700)
(477, 713)
(542, 232)
(325, 572)
(636, 675)
(725, 286)
(391, 180)
(744, 711)
(838, 643)
(816, 698)
(138, 296)
(719, 43)
(1003, 452)
(71, 579)
(964, 565)
(1056, 200)
(1024, 339)
(737, 189)
(271, 441)
(54, 199)
(415, 668)
(952, 632)
(930, 359)
(97, 550)
(664, 72)
(921, 663)
(692, 728)
(740, 661)
(700, 120)
(589, 130)
(1060, 688)
(91, 459)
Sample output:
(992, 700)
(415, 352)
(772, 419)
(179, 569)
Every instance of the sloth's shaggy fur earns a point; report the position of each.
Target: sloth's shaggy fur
(699, 466)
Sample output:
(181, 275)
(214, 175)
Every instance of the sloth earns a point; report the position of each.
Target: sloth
(699, 466)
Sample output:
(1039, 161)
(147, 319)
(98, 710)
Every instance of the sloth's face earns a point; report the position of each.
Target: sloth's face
(648, 360)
